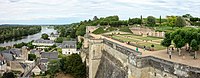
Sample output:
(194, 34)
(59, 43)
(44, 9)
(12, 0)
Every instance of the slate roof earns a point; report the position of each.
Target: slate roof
(43, 41)
(68, 44)
(8, 56)
(13, 51)
(34, 51)
(49, 55)
(44, 60)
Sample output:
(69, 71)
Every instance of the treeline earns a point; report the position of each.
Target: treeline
(113, 21)
(195, 21)
(10, 32)
(181, 37)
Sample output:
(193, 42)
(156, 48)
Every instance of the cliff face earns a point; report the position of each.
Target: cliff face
(110, 67)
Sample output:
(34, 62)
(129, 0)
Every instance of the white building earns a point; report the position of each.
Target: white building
(53, 36)
(42, 42)
(68, 47)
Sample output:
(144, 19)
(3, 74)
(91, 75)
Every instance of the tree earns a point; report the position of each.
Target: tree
(8, 75)
(73, 33)
(166, 43)
(179, 42)
(151, 21)
(187, 16)
(73, 64)
(45, 36)
(152, 47)
(160, 20)
(59, 40)
(31, 57)
(171, 20)
(194, 46)
(180, 22)
(81, 30)
(53, 67)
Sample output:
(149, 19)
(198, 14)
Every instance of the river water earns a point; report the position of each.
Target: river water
(29, 38)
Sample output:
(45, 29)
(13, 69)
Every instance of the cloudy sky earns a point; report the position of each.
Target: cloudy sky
(68, 11)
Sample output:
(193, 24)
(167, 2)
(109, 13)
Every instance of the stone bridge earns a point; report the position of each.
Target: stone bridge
(108, 59)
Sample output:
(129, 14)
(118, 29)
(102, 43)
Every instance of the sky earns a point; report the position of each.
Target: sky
(70, 11)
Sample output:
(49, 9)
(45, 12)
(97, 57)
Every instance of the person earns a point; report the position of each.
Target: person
(170, 54)
(137, 49)
(172, 49)
(144, 48)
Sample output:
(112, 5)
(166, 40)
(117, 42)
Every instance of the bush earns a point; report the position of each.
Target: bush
(31, 57)
(100, 30)
(125, 29)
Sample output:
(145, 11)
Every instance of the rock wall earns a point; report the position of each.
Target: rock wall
(110, 67)
(111, 60)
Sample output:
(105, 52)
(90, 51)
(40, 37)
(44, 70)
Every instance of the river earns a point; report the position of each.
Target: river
(29, 38)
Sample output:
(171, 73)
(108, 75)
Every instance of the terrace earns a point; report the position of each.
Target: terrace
(140, 41)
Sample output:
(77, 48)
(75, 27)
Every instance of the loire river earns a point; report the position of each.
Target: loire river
(30, 37)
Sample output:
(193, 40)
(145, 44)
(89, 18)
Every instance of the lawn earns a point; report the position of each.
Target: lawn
(156, 46)
(140, 40)
(124, 38)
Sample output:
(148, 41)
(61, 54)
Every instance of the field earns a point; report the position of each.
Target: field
(140, 41)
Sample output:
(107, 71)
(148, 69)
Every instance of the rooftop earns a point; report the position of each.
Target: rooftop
(68, 44)
(43, 41)
(49, 55)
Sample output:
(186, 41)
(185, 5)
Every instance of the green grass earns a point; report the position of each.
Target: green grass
(100, 30)
(124, 39)
(142, 38)
(156, 46)
(125, 29)
(139, 39)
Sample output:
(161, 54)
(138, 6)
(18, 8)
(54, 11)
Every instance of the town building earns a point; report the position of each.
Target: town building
(68, 47)
(42, 42)
(45, 58)
(53, 36)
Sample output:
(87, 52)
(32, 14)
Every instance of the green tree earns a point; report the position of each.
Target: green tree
(166, 43)
(53, 67)
(171, 20)
(179, 42)
(59, 40)
(73, 64)
(8, 75)
(151, 21)
(45, 36)
(194, 46)
(31, 57)
(180, 22)
(81, 30)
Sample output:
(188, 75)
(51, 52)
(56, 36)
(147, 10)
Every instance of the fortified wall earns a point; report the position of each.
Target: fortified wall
(108, 59)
